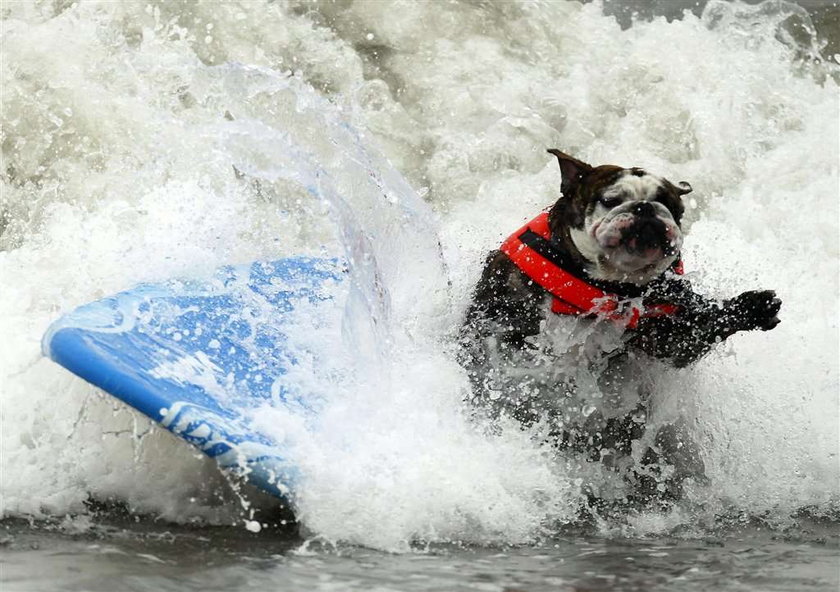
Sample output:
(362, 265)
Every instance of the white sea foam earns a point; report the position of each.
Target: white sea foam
(142, 142)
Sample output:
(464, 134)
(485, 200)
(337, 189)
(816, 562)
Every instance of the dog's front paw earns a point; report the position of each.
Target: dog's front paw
(756, 309)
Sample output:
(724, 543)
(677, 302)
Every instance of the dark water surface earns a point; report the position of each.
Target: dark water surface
(148, 557)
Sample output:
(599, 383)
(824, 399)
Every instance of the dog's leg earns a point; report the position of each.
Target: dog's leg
(673, 458)
(601, 439)
(505, 311)
(687, 336)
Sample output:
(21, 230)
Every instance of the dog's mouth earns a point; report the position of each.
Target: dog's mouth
(636, 245)
(633, 242)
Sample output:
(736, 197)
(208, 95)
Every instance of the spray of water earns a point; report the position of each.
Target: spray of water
(144, 140)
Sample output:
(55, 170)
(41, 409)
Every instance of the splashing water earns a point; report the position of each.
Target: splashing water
(148, 140)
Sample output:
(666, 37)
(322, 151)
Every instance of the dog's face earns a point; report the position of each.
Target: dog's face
(624, 222)
(631, 224)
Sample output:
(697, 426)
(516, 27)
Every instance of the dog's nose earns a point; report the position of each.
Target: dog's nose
(644, 208)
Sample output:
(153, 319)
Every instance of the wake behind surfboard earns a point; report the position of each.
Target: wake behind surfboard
(199, 356)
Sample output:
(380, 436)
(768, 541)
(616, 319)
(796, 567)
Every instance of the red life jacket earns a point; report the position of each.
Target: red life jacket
(530, 251)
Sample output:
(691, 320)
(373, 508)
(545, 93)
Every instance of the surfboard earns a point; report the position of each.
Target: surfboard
(198, 356)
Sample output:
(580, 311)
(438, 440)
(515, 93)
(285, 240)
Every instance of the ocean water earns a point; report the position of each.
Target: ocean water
(145, 140)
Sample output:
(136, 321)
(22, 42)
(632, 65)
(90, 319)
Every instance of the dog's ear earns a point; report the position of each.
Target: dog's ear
(683, 187)
(572, 170)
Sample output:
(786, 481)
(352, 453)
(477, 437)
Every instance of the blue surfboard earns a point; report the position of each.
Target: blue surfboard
(197, 356)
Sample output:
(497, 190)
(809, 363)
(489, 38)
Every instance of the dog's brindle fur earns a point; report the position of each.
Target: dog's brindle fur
(508, 306)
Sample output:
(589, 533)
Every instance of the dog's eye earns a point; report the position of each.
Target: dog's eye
(610, 202)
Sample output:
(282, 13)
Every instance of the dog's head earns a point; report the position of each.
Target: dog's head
(625, 223)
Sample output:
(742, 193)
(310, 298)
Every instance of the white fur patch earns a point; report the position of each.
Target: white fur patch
(586, 244)
(635, 188)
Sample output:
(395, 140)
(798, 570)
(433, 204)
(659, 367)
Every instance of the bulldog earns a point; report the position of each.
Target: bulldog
(575, 308)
